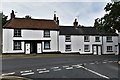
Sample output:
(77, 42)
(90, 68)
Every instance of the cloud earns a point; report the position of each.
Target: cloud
(67, 11)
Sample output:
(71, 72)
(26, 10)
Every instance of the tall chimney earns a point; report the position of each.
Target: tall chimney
(75, 23)
(12, 15)
(54, 16)
(57, 20)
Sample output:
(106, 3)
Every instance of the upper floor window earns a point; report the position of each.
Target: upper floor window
(97, 39)
(17, 45)
(47, 45)
(67, 38)
(86, 48)
(46, 33)
(68, 47)
(17, 32)
(109, 38)
(86, 39)
(109, 49)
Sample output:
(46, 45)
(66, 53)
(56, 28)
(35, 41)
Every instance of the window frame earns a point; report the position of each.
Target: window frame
(110, 49)
(45, 45)
(46, 35)
(86, 38)
(67, 49)
(88, 50)
(17, 33)
(108, 39)
(96, 39)
(67, 38)
(15, 47)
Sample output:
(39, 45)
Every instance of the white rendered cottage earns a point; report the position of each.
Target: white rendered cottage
(22, 35)
(86, 40)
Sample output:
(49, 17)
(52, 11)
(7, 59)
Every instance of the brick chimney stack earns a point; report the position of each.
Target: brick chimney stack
(57, 20)
(12, 14)
(75, 23)
(55, 17)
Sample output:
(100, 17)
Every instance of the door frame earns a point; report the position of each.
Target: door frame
(96, 49)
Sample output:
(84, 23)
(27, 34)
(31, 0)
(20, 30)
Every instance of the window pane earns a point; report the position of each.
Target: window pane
(46, 33)
(17, 32)
(17, 45)
(47, 45)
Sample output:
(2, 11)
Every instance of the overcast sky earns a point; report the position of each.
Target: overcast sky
(67, 10)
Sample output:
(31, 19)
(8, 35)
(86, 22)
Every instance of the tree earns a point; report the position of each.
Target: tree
(3, 18)
(111, 20)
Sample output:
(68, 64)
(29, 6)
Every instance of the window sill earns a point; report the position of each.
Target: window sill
(87, 51)
(86, 41)
(68, 41)
(47, 48)
(68, 50)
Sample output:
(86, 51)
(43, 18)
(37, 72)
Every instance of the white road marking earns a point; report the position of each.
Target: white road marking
(6, 74)
(77, 66)
(44, 71)
(104, 62)
(65, 66)
(95, 73)
(56, 69)
(41, 69)
(27, 73)
(91, 63)
(84, 63)
(69, 68)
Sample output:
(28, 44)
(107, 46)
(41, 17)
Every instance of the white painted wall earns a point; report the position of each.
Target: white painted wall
(105, 44)
(77, 44)
(28, 35)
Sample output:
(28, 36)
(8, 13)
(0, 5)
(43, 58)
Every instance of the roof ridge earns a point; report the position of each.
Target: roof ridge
(36, 19)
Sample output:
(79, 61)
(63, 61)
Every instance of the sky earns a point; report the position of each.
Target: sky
(86, 11)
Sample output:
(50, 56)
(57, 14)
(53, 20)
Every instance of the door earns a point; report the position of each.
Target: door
(39, 48)
(116, 50)
(27, 45)
(95, 50)
(99, 50)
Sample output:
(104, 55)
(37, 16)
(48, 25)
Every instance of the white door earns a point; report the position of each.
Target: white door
(27, 48)
(38, 47)
(95, 50)
(99, 50)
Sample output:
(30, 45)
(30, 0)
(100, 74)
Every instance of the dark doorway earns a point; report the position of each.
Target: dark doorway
(33, 47)
(119, 49)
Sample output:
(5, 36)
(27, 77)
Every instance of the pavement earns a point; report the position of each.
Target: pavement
(64, 67)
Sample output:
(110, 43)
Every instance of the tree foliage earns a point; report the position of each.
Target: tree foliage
(3, 19)
(111, 20)
(28, 17)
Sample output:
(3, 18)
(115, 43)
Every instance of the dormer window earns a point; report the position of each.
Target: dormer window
(46, 33)
(17, 32)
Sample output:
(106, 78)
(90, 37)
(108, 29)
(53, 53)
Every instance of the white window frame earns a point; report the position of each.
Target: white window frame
(97, 40)
(87, 48)
(17, 32)
(46, 33)
(67, 38)
(66, 48)
(86, 38)
(47, 43)
(17, 45)
(109, 48)
(109, 38)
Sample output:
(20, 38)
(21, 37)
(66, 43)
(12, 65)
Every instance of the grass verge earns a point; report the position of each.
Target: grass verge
(13, 78)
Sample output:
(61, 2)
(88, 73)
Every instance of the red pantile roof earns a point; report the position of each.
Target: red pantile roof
(31, 24)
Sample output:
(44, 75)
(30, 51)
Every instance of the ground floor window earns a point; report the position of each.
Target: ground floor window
(86, 48)
(109, 49)
(68, 47)
(47, 45)
(17, 45)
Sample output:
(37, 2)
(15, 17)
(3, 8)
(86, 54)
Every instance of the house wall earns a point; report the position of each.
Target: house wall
(77, 44)
(28, 35)
(105, 44)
